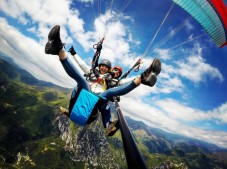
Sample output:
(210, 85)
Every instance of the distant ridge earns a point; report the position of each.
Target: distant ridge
(175, 139)
(12, 70)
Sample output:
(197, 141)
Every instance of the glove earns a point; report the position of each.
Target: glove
(108, 77)
(72, 51)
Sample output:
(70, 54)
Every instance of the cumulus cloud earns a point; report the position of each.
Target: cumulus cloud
(188, 25)
(163, 53)
(42, 12)
(29, 54)
(176, 110)
(195, 69)
(86, 1)
(168, 115)
(40, 16)
(220, 113)
(169, 81)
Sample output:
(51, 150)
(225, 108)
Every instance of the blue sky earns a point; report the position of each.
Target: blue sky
(190, 96)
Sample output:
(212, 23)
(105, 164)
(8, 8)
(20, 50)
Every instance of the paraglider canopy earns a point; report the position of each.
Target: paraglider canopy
(212, 16)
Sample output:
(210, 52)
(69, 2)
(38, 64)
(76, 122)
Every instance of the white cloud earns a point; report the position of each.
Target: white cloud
(168, 80)
(41, 11)
(86, 1)
(163, 53)
(195, 69)
(116, 45)
(220, 113)
(40, 16)
(30, 55)
(178, 111)
(188, 25)
(167, 114)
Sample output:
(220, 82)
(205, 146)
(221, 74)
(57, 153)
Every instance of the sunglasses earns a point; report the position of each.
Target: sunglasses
(116, 70)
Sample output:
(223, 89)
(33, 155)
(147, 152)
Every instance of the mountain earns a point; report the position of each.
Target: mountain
(33, 134)
(10, 69)
(175, 139)
(187, 151)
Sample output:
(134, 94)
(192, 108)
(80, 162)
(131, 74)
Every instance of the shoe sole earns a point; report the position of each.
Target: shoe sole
(156, 66)
(151, 79)
(47, 48)
(155, 69)
(53, 32)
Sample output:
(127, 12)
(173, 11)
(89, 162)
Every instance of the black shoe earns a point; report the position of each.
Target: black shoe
(54, 44)
(112, 128)
(149, 76)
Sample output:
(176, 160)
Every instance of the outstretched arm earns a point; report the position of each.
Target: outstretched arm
(79, 61)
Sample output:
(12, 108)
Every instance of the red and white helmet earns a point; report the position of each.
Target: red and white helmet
(119, 69)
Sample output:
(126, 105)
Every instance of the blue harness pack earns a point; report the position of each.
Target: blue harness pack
(83, 106)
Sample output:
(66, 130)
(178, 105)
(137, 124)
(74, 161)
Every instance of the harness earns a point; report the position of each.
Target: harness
(112, 83)
(95, 77)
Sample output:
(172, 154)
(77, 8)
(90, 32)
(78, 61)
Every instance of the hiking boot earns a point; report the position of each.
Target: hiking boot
(149, 76)
(64, 110)
(112, 128)
(54, 44)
